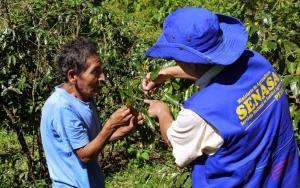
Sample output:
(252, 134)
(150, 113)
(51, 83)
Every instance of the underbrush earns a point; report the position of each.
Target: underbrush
(121, 168)
(159, 171)
(13, 164)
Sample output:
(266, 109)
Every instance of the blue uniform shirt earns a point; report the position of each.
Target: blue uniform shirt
(67, 124)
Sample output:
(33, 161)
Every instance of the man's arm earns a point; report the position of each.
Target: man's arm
(160, 110)
(191, 137)
(119, 118)
(163, 75)
(182, 71)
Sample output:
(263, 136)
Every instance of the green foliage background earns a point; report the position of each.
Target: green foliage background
(32, 32)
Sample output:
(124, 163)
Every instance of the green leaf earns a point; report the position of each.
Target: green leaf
(289, 46)
(6, 90)
(181, 179)
(251, 29)
(21, 82)
(291, 67)
(175, 85)
(171, 99)
(168, 90)
(150, 122)
(269, 45)
(131, 149)
(145, 155)
(154, 73)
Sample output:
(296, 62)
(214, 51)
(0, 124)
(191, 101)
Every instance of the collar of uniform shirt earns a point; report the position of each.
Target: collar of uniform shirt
(210, 74)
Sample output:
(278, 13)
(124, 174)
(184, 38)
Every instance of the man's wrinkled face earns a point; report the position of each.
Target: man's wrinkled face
(89, 81)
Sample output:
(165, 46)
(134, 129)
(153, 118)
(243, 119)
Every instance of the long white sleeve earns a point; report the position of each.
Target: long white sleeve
(191, 136)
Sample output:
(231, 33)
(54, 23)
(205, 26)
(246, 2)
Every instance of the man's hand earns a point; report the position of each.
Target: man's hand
(150, 86)
(181, 70)
(157, 108)
(119, 118)
(120, 123)
(126, 129)
(160, 110)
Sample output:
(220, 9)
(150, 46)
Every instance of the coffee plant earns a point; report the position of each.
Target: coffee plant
(32, 32)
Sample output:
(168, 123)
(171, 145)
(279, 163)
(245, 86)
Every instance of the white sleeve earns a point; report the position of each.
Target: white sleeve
(191, 136)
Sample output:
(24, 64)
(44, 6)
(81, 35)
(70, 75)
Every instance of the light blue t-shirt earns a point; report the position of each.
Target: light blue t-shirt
(67, 124)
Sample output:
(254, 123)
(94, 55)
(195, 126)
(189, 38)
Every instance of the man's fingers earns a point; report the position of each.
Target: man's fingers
(140, 122)
(126, 118)
(122, 114)
(131, 122)
(144, 83)
(140, 115)
(147, 101)
(125, 112)
(145, 86)
(148, 76)
(140, 119)
(148, 85)
(122, 109)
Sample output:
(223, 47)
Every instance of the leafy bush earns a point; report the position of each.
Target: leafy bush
(32, 32)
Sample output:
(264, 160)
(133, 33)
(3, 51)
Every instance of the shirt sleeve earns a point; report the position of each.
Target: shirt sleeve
(191, 136)
(71, 128)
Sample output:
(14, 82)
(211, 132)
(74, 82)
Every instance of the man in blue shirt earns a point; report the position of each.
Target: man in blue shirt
(71, 132)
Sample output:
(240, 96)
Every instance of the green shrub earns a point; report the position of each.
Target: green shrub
(32, 32)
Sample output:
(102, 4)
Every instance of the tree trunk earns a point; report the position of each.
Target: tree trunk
(22, 141)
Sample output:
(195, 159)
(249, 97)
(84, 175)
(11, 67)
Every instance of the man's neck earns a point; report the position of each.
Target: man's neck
(73, 90)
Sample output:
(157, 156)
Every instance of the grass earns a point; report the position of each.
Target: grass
(163, 174)
(8, 142)
(159, 172)
(12, 162)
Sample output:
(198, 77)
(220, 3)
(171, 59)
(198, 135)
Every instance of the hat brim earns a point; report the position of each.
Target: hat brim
(225, 53)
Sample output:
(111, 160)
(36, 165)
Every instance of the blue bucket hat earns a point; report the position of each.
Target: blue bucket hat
(196, 35)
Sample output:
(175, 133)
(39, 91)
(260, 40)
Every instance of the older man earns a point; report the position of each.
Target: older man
(71, 132)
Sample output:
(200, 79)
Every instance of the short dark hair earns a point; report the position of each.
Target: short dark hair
(73, 56)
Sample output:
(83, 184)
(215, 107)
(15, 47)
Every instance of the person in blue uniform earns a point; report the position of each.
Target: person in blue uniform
(72, 135)
(236, 131)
